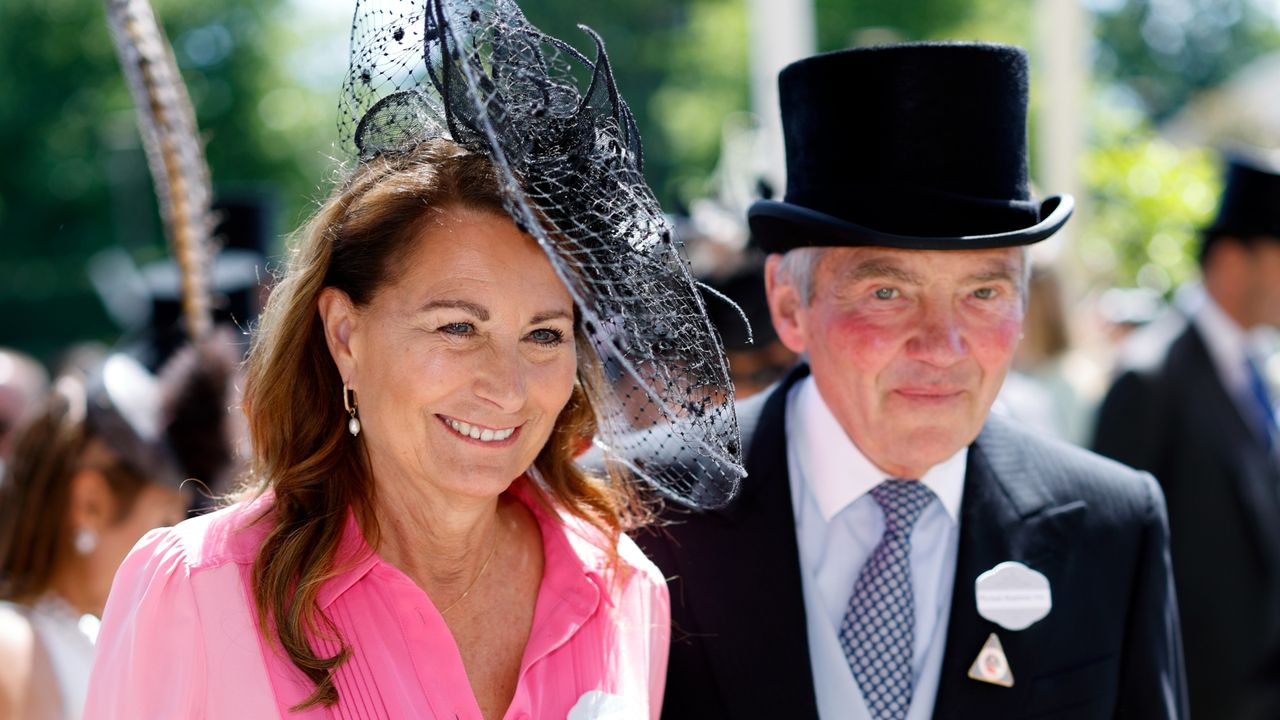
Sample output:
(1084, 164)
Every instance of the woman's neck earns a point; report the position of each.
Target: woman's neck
(442, 542)
(68, 582)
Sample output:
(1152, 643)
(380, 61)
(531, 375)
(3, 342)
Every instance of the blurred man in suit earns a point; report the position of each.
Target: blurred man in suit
(1191, 406)
(896, 553)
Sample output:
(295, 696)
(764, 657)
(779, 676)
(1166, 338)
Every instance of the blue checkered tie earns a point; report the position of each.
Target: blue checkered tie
(878, 630)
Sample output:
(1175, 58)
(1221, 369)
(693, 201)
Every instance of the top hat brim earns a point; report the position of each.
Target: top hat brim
(777, 227)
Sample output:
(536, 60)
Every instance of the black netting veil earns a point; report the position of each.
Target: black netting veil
(569, 161)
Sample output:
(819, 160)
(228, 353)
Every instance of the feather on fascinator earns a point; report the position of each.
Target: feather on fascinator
(569, 164)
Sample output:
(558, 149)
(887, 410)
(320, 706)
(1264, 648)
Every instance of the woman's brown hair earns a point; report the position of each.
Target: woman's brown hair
(293, 399)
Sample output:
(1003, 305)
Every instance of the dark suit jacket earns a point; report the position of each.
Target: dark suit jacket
(1170, 415)
(1109, 648)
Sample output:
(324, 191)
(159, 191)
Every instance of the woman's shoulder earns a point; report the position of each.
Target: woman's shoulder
(229, 535)
(604, 556)
(28, 685)
(639, 563)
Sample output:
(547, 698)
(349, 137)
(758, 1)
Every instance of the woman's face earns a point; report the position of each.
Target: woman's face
(462, 363)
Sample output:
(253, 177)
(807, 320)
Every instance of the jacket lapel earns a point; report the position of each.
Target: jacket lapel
(1254, 466)
(745, 591)
(1005, 515)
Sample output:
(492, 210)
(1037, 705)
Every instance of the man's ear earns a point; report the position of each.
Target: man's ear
(786, 308)
(339, 317)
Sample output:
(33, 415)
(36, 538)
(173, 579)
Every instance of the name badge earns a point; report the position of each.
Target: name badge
(1013, 596)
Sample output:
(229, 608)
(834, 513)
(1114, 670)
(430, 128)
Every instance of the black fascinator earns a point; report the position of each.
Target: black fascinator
(569, 161)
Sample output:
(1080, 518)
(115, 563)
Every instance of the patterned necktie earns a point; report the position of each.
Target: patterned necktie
(1264, 411)
(878, 630)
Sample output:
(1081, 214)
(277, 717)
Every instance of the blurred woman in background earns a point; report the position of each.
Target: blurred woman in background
(100, 465)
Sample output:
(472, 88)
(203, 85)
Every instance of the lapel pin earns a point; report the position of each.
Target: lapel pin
(1013, 596)
(991, 666)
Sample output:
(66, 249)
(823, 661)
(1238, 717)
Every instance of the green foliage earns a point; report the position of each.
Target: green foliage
(1147, 201)
(76, 179)
(843, 24)
(641, 36)
(708, 83)
(1167, 51)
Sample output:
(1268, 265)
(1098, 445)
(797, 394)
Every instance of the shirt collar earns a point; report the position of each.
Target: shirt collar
(1228, 343)
(835, 469)
(575, 563)
(353, 560)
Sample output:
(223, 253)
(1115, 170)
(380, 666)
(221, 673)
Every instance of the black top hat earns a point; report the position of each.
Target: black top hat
(920, 146)
(1250, 204)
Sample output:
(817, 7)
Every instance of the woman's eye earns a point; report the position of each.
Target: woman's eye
(985, 293)
(547, 336)
(458, 328)
(885, 293)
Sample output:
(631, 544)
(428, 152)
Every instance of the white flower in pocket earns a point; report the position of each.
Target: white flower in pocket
(597, 705)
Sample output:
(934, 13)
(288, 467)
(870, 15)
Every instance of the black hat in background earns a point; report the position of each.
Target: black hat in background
(918, 146)
(237, 276)
(1250, 205)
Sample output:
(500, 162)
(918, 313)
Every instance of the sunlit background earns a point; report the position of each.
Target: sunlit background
(1130, 100)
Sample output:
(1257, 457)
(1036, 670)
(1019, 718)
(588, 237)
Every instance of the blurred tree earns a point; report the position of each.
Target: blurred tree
(75, 179)
(1148, 200)
(645, 39)
(844, 24)
(1167, 50)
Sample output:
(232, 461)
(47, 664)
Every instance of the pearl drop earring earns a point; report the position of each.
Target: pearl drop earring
(86, 541)
(349, 402)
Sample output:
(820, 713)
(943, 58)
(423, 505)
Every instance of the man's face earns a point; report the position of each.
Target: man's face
(908, 347)
(1264, 281)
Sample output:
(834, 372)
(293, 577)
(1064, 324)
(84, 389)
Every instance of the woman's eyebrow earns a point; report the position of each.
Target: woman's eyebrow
(479, 311)
(551, 315)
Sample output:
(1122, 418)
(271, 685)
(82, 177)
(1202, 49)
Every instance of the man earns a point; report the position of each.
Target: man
(1194, 410)
(894, 553)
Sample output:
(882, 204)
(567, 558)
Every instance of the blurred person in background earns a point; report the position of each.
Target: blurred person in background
(23, 384)
(1191, 406)
(1039, 390)
(100, 464)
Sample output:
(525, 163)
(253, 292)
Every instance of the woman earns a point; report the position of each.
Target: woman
(95, 469)
(418, 541)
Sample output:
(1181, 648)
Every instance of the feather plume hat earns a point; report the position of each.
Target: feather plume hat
(569, 162)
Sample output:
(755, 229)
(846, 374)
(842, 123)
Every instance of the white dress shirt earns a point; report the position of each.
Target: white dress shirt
(838, 525)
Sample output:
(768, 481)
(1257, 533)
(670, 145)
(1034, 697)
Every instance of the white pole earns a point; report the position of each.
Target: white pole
(782, 31)
(1061, 86)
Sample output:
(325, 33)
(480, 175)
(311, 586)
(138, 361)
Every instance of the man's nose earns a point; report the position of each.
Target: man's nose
(939, 339)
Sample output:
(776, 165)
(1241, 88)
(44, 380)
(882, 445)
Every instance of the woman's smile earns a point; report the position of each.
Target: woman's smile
(491, 437)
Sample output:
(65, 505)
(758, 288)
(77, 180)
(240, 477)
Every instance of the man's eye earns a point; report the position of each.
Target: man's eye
(886, 293)
(458, 328)
(985, 293)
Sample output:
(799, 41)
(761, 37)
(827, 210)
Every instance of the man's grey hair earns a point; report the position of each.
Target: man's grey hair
(799, 268)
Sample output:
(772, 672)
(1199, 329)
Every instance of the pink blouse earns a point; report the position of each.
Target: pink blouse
(179, 637)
